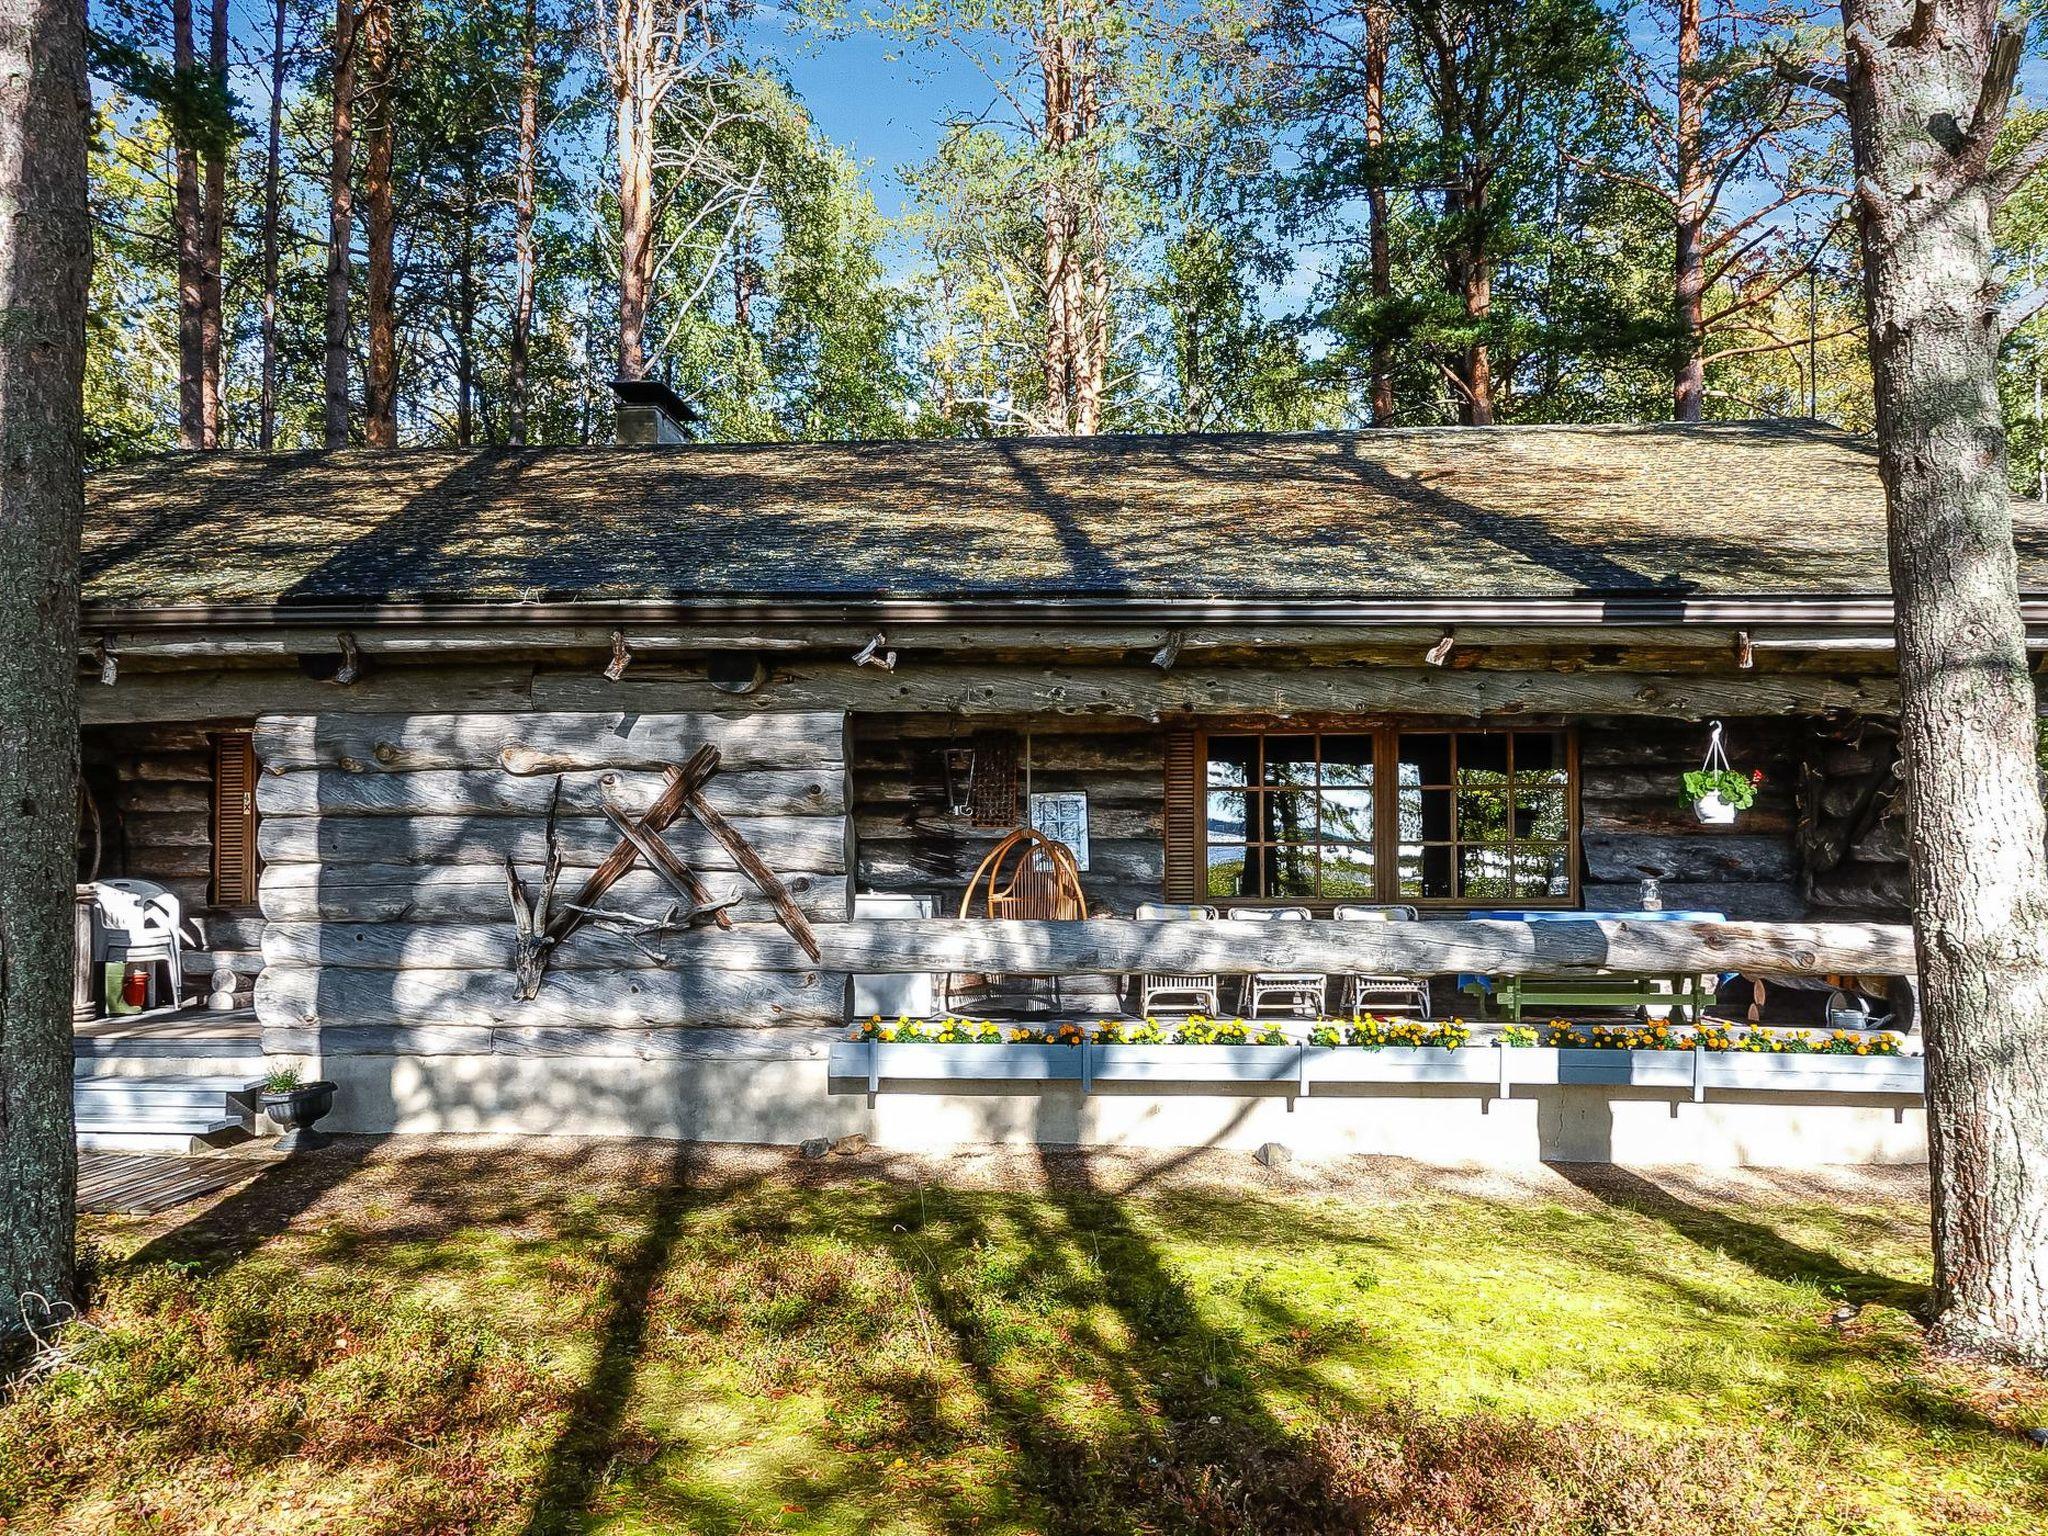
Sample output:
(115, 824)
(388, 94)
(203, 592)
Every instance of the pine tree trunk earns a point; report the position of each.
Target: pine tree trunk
(43, 280)
(1377, 19)
(1057, 255)
(273, 212)
(465, 327)
(1980, 878)
(635, 134)
(1689, 376)
(380, 294)
(185, 214)
(340, 223)
(523, 199)
(213, 219)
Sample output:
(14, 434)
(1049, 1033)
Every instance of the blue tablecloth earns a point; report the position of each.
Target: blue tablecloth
(1553, 915)
(1470, 982)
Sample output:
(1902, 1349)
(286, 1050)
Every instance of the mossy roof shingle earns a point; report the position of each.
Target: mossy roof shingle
(1740, 510)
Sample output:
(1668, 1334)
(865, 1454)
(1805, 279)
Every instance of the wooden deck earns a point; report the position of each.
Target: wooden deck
(173, 1024)
(124, 1184)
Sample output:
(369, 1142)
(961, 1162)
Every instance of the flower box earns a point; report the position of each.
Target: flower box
(1401, 1064)
(924, 1060)
(1815, 1072)
(1195, 1063)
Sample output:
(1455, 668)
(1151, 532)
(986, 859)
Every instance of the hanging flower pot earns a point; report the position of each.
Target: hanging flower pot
(1715, 790)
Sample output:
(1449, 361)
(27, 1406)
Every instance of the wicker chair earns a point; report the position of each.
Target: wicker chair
(1189, 993)
(1027, 876)
(1383, 994)
(1300, 991)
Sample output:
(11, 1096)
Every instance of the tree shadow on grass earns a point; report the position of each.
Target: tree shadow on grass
(265, 1207)
(585, 1446)
(1762, 1248)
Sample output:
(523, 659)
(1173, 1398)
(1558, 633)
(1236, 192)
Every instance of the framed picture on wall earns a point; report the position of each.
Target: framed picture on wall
(1064, 819)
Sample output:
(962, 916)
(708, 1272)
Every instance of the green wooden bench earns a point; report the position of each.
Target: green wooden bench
(1552, 996)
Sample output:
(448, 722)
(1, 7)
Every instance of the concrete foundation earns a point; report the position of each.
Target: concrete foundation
(784, 1100)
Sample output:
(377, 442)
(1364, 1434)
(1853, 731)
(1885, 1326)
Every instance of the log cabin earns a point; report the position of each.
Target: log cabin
(419, 741)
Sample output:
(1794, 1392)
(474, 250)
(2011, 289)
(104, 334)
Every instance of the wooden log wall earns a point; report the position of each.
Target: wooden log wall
(1852, 827)
(153, 787)
(389, 920)
(1632, 823)
(910, 842)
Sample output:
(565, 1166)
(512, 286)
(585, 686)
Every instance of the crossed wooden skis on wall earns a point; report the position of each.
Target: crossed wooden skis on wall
(542, 925)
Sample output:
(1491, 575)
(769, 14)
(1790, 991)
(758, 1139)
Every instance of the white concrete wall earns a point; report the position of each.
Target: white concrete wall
(786, 1099)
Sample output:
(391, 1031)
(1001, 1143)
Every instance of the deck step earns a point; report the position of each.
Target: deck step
(180, 1113)
(144, 1094)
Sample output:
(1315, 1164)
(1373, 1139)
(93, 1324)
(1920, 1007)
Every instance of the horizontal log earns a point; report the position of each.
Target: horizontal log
(285, 644)
(170, 768)
(390, 893)
(1663, 783)
(667, 999)
(897, 865)
(489, 947)
(1147, 693)
(1116, 750)
(1746, 901)
(893, 789)
(228, 696)
(492, 792)
(148, 797)
(603, 737)
(936, 821)
(1706, 855)
(1636, 817)
(1564, 948)
(796, 1042)
(168, 829)
(786, 842)
(1855, 887)
(162, 863)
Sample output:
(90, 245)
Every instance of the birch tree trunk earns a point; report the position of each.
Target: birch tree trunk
(45, 256)
(1074, 260)
(185, 213)
(273, 212)
(341, 223)
(523, 199)
(213, 222)
(1927, 91)
(380, 297)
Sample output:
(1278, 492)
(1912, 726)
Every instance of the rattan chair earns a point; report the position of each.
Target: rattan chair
(1189, 993)
(1300, 993)
(1383, 994)
(1026, 876)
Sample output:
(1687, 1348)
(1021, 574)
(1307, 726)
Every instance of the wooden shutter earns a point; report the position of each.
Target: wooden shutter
(1183, 817)
(234, 820)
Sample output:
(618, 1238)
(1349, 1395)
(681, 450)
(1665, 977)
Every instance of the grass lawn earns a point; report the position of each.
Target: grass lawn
(447, 1336)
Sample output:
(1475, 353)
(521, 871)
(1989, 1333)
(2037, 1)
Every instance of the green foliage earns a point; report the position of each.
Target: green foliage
(1737, 789)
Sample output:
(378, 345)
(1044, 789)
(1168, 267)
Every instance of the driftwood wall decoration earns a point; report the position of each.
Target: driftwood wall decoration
(541, 927)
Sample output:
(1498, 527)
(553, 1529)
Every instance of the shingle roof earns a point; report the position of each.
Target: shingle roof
(1744, 510)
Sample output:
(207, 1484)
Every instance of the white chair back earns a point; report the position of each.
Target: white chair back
(1358, 914)
(1163, 910)
(1270, 914)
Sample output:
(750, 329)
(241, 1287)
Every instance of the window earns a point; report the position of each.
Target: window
(234, 820)
(1290, 816)
(1429, 817)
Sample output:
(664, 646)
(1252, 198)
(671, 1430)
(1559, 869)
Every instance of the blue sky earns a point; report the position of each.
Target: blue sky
(883, 104)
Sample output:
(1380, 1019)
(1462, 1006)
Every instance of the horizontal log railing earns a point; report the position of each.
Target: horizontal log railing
(1564, 948)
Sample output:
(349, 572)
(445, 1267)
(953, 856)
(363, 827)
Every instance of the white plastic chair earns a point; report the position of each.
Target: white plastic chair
(137, 922)
(1383, 994)
(1189, 993)
(1300, 991)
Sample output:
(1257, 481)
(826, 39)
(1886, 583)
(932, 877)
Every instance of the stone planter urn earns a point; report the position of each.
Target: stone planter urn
(296, 1109)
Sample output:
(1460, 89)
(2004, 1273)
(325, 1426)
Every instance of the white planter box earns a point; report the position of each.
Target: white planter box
(1815, 1073)
(1401, 1064)
(921, 1060)
(1195, 1063)
(1301, 1067)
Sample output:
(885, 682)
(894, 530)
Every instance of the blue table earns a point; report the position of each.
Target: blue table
(1516, 993)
